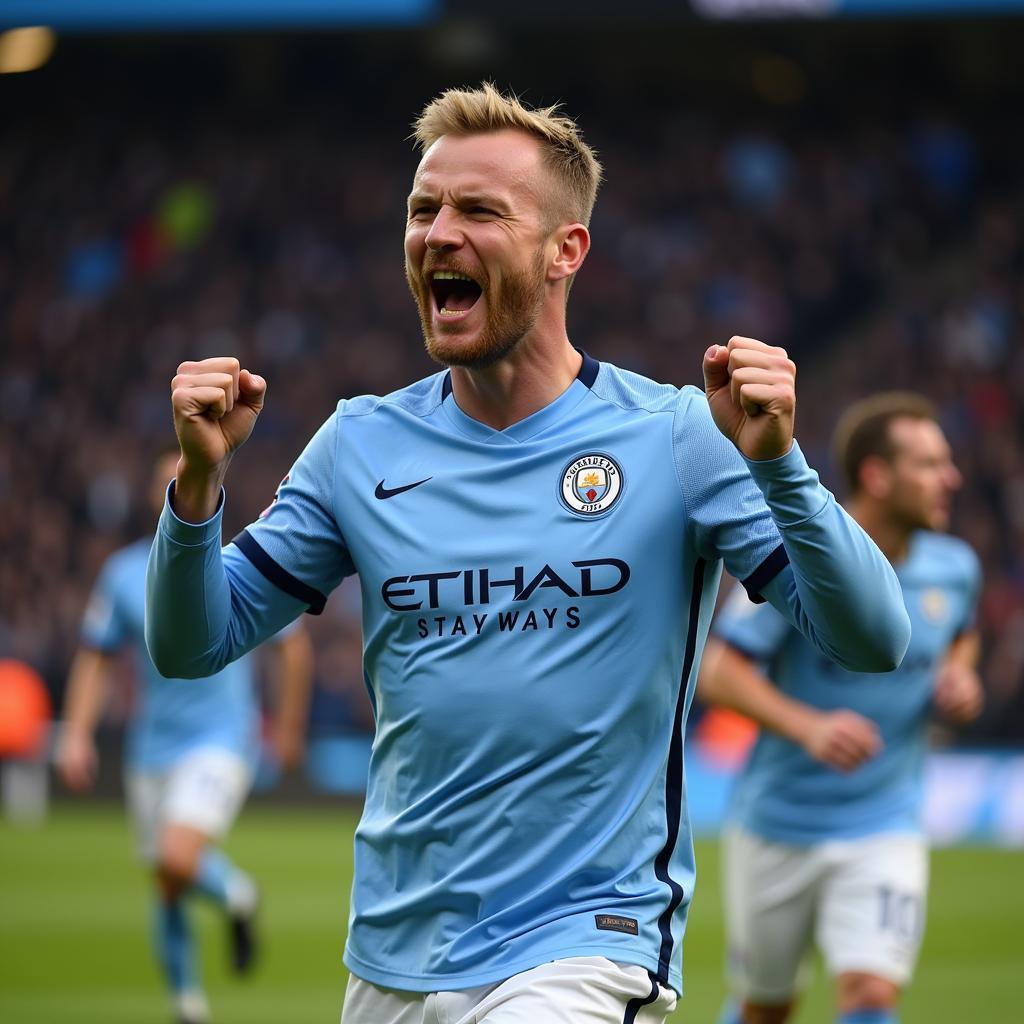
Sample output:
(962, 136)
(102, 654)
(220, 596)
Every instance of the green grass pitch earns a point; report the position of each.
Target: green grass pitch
(74, 928)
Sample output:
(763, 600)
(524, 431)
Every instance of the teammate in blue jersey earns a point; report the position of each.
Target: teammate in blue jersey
(192, 747)
(539, 538)
(824, 845)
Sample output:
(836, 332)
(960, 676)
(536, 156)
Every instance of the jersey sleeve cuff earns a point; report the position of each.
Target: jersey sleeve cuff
(190, 534)
(790, 487)
(765, 573)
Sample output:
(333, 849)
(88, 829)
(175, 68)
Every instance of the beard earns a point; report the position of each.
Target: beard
(512, 310)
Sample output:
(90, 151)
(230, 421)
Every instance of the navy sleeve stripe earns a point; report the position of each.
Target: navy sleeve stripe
(281, 578)
(765, 573)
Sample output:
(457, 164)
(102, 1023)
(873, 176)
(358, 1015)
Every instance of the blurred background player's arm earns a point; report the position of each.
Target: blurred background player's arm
(841, 739)
(87, 690)
(293, 683)
(959, 696)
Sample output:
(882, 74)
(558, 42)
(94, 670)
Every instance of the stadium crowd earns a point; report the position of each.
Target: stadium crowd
(880, 255)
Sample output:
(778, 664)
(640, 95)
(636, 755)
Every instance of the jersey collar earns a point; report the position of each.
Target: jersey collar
(534, 424)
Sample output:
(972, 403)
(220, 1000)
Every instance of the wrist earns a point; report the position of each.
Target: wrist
(195, 496)
(802, 724)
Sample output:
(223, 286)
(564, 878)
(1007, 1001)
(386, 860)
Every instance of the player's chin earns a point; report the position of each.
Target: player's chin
(452, 346)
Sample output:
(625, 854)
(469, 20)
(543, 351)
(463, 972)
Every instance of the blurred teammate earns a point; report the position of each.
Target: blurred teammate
(825, 845)
(192, 748)
(539, 538)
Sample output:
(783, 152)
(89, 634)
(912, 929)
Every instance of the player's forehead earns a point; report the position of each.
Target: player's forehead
(922, 438)
(506, 162)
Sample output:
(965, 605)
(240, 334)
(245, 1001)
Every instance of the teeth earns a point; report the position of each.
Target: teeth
(451, 275)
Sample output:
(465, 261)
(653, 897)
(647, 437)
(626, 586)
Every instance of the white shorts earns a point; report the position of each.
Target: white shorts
(862, 901)
(580, 989)
(204, 790)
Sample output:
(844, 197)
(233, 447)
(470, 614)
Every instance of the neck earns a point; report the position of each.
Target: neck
(532, 376)
(893, 540)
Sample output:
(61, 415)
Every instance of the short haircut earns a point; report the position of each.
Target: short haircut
(571, 161)
(863, 429)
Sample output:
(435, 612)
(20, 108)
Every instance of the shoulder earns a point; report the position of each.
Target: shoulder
(127, 562)
(418, 399)
(633, 391)
(945, 557)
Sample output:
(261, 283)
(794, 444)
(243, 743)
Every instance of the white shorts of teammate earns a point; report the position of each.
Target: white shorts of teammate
(204, 790)
(582, 988)
(861, 901)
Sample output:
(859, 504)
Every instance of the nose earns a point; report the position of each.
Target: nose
(444, 232)
(954, 478)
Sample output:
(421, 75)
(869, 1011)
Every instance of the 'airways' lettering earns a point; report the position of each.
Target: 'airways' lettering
(590, 577)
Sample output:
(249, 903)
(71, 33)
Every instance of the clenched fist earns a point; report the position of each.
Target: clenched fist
(842, 739)
(751, 388)
(215, 405)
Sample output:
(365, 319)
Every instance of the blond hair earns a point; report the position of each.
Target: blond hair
(571, 161)
(864, 429)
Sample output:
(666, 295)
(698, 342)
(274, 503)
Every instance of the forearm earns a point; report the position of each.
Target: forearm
(206, 606)
(197, 495)
(187, 598)
(295, 682)
(841, 592)
(729, 679)
(86, 692)
(965, 650)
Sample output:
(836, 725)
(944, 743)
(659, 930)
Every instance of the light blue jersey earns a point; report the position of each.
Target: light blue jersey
(535, 601)
(172, 716)
(783, 794)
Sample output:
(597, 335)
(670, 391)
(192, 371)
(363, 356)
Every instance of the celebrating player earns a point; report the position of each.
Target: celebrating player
(191, 752)
(539, 539)
(826, 842)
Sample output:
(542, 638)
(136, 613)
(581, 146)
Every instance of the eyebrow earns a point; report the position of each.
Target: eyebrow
(475, 197)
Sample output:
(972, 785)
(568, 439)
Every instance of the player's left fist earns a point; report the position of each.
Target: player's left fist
(751, 389)
(958, 697)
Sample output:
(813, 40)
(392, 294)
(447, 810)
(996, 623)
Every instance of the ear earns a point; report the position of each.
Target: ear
(875, 476)
(571, 243)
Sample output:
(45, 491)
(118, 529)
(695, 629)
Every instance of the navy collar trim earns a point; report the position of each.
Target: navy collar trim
(586, 376)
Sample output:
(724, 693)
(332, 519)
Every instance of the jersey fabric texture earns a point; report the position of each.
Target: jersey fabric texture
(534, 604)
(786, 795)
(172, 716)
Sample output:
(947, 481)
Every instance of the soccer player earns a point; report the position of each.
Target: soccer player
(825, 842)
(539, 539)
(191, 751)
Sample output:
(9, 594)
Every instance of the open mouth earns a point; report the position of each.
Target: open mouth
(454, 293)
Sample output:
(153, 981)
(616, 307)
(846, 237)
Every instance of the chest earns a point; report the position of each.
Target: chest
(442, 525)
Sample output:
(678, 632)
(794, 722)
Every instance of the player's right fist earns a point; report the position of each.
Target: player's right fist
(215, 405)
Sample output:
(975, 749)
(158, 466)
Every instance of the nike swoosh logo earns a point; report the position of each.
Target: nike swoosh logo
(383, 492)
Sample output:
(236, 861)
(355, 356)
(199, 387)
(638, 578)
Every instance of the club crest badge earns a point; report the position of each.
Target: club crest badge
(933, 604)
(591, 484)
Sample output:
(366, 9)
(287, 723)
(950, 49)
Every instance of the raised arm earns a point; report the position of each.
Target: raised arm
(206, 605)
(842, 739)
(197, 618)
(837, 589)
